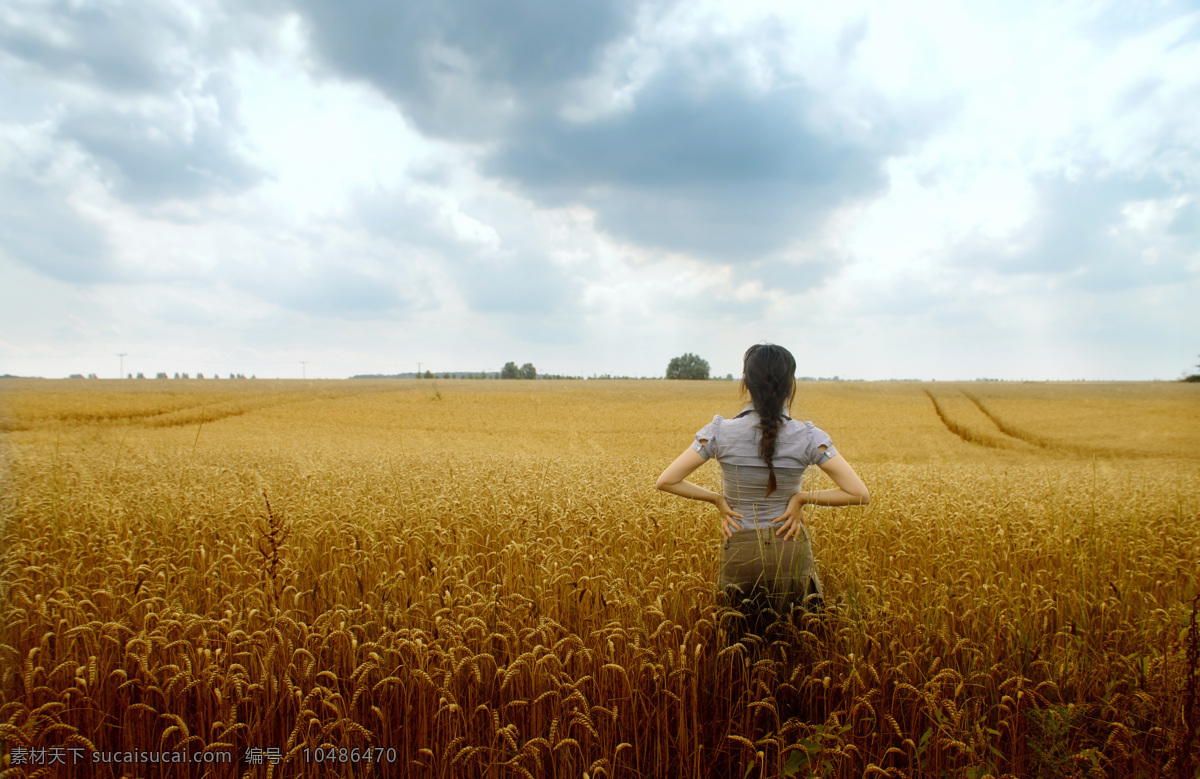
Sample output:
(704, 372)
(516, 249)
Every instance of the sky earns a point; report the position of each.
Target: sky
(291, 188)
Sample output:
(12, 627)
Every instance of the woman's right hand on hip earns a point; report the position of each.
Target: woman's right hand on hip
(792, 519)
(729, 517)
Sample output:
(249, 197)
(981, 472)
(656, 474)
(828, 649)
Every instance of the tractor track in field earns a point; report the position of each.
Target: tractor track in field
(1021, 435)
(965, 433)
(1003, 438)
(1015, 437)
(181, 416)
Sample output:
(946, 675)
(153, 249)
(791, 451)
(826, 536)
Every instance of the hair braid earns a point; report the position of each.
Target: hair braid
(769, 376)
(766, 448)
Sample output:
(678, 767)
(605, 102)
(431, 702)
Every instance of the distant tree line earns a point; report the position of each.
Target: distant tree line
(429, 375)
(510, 371)
(163, 375)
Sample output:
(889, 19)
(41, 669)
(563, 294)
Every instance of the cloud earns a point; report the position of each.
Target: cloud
(851, 37)
(722, 170)
(462, 69)
(1096, 231)
(492, 254)
(1186, 223)
(525, 285)
(343, 292)
(413, 219)
(155, 157)
(609, 183)
(701, 174)
(703, 157)
(143, 88)
(41, 231)
(40, 228)
(1116, 20)
(122, 47)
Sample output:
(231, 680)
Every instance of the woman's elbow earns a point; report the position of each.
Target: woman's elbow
(864, 497)
(666, 483)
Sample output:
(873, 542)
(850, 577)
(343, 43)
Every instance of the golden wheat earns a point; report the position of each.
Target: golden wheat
(481, 581)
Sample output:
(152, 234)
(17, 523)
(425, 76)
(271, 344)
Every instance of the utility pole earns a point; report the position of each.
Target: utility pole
(418, 370)
(121, 375)
(304, 369)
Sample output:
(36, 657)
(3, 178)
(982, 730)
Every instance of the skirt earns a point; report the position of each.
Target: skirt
(762, 573)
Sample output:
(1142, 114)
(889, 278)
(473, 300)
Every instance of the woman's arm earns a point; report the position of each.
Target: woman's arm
(850, 492)
(850, 489)
(672, 481)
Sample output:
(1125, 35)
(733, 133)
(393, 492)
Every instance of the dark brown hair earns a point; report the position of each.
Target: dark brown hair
(769, 375)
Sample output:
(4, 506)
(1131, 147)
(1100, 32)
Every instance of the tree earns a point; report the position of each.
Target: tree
(1194, 376)
(528, 371)
(687, 366)
(510, 371)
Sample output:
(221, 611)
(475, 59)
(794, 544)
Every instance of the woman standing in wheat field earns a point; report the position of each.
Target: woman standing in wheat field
(767, 563)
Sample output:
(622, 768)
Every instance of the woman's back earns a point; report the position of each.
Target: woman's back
(735, 444)
(760, 456)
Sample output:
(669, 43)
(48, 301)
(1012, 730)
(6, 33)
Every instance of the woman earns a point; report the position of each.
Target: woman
(763, 452)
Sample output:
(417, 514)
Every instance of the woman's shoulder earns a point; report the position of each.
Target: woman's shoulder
(707, 436)
(803, 430)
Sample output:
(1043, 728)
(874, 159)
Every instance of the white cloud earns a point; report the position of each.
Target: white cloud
(246, 187)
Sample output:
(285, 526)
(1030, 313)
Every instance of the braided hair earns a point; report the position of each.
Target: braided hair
(769, 375)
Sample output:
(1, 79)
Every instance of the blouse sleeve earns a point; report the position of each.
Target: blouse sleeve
(706, 438)
(820, 446)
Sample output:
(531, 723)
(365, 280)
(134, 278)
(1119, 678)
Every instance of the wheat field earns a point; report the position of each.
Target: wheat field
(478, 579)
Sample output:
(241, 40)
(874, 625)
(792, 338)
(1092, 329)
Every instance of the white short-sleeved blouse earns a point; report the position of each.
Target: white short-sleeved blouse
(744, 474)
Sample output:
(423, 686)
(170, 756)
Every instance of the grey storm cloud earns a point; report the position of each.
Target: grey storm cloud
(1075, 233)
(461, 68)
(712, 167)
(155, 158)
(121, 47)
(141, 63)
(146, 47)
(726, 173)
